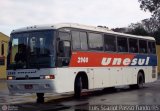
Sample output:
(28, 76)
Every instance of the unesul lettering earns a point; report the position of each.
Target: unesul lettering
(125, 62)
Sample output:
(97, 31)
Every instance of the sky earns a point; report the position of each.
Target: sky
(111, 13)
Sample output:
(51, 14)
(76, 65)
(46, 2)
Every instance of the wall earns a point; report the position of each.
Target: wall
(3, 40)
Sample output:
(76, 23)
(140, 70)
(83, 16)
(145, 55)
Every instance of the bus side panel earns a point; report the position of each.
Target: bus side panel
(129, 75)
(101, 77)
(115, 76)
(151, 74)
(65, 78)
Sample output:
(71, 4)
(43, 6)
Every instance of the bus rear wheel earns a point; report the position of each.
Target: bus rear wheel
(78, 87)
(40, 97)
(140, 82)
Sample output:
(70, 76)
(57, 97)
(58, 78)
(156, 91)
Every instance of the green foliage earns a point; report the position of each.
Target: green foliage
(151, 5)
(154, 7)
(138, 29)
(147, 27)
(151, 26)
(144, 28)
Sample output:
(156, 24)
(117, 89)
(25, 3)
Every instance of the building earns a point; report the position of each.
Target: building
(4, 39)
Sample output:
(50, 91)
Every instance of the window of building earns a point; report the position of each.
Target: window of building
(110, 42)
(133, 45)
(2, 61)
(142, 46)
(122, 44)
(151, 48)
(95, 41)
(2, 48)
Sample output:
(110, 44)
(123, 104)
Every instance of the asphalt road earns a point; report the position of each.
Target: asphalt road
(122, 97)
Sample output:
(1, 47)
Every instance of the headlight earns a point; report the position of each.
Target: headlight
(10, 77)
(47, 77)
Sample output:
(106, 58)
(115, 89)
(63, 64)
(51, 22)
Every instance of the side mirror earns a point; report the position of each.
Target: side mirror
(64, 46)
(60, 46)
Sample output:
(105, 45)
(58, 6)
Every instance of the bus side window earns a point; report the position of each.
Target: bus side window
(110, 42)
(95, 41)
(122, 44)
(151, 47)
(142, 46)
(76, 40)
(133, 45)
(83, 39)
(79, 40)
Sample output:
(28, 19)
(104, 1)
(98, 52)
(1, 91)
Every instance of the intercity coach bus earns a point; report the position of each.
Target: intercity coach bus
(71, 57)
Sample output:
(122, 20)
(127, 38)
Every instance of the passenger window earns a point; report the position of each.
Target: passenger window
(133, 45)
(122, 44)
(110, 43)
(95, 41)
(83, 39)
(151, 48)
(142, 46)
(79, 40)
(76, 40)
(64, 36)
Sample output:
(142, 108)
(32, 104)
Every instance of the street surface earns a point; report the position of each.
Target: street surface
(93, 100)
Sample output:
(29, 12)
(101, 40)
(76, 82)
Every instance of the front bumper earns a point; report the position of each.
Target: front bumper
(38, 86)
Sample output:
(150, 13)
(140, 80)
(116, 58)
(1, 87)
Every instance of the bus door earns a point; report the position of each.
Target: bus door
(63, 49)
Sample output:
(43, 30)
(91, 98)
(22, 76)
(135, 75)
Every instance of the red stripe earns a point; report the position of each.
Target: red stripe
(94, 59)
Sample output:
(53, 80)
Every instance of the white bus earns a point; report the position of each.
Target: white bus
(72, 57)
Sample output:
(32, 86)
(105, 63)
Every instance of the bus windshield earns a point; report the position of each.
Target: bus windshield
(28, 50)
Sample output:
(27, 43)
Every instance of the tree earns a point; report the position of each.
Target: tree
(147, 27)
(138, 29)
(151, 5)
(154, 7)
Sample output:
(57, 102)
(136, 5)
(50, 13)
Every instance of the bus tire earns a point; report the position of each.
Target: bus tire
(140, 81)
(78, 87)
(40, 97)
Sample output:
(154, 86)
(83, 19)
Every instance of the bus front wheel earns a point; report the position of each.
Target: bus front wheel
(78, 87)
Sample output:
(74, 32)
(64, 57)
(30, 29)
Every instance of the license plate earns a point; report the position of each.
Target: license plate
(28, 86)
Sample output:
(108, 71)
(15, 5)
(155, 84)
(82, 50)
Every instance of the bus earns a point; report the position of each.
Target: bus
(71, 57)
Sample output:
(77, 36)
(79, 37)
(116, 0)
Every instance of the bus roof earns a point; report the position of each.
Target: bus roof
(78, 26)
